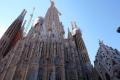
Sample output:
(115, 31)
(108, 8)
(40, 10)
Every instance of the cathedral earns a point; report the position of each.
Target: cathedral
(107, 63)
(44, 53)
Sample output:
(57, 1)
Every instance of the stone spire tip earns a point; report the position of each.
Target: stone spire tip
(73, 25)
(52, 2)
(101, 42)
(68, 29)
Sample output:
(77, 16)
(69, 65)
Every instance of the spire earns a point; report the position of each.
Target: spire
(68, 30)
(75, 29)
(52, 2)
(69, 33)
(101, 42)
(22, 15)
(102, 45)
(74, 26)
(10, 34)
(52, 22)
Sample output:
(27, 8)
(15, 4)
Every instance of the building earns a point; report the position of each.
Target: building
(45, 54)
(12, 35)
(107, 63)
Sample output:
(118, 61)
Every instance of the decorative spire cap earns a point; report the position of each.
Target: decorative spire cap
(101, 42)
(74, 26)
(52, 2)
(22, 15)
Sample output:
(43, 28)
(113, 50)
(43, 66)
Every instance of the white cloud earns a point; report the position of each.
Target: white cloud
(2, 30)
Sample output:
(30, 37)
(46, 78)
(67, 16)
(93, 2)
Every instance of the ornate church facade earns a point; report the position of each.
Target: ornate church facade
(107, 63)
(44, 54)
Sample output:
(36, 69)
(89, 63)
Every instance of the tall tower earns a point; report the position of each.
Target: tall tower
(80, 43)
(87, 67)
(52, 23)
(13, 33)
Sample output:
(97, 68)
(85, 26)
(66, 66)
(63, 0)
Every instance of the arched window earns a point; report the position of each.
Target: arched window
(17, 75)
(99, 78)
(58, 73)
(56, 60)
(40, 74)
(87, 76)
(53, 35)
(107, 76)
(51, 76)
(118, 75)
(31, 74)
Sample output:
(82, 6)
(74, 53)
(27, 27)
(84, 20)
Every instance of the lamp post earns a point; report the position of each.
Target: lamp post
(118, 30)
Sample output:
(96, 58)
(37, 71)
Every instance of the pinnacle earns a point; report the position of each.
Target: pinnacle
(52, 2)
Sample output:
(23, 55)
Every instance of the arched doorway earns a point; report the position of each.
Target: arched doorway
(99, 78)
(107, 76)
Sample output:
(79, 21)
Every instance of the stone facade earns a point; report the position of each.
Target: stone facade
(44, 54)
(107, 63)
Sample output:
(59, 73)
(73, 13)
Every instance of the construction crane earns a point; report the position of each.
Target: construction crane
(23, 28)
(30, 20)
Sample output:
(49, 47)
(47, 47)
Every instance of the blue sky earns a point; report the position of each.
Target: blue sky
(97, 19)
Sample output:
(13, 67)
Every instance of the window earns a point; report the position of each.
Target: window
(99, 78)
(107, 76)
(56, 60)
(113, 62)
(40, 74)
(51, 76)
(58, 73)
(53, 35)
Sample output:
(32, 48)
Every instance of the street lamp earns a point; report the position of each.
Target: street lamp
(118, 30)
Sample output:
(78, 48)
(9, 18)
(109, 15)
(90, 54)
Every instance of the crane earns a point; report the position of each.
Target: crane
(30, 19)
